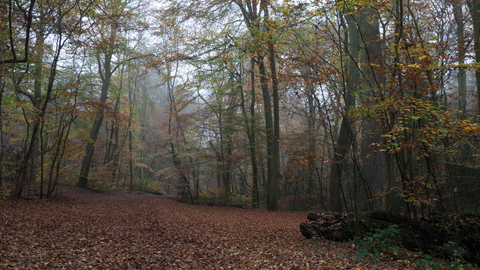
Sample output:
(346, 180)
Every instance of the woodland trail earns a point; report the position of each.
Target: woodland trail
(126, 231)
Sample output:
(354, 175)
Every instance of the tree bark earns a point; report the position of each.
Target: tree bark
(373, 158)
(345, 136)
(310, 91)
(274, 172)
(475, 11)
(251, 15)
(271, 203)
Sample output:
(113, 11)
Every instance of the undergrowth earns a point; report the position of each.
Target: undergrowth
(381, 244)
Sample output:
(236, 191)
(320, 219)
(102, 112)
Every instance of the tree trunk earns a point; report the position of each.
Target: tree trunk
(2, 144)
(475, 11)
(90, 149)
(373, 158)
(274, 135)
(251, 139)
(251, 15)
(462, 75)
(250, 129)
(271, 198)
(345, 136)
(130, 161)
(37, 86)
(131, 102)
(310, 92)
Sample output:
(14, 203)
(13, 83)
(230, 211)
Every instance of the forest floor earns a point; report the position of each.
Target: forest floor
(83, 230)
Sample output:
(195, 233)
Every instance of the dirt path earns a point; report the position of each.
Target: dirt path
(123, 231)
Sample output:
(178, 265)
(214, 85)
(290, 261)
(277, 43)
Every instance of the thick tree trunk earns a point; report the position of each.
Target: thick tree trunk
(251, 15)
(345, 136)
(272, 196)
(340, 155)
(373, 158)
(271, 187)
(475, 11)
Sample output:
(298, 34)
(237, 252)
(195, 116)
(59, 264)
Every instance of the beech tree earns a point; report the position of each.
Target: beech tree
(60, 22)
(110, 26)
(261, 30)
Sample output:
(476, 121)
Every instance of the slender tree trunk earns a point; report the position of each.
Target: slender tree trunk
(227, 182)
(41, 161)
(114, 138)
(310, 92)
(2, 144)
(345, 136)
(251, 136)
(196, 183)
(131, 102)
(65, 139)
(130, 161)
(177, 162)
(37, 89)
(221, 159)
(462, 75)
(116, 157)
(108, 145)
(250, 129)
(90, 149)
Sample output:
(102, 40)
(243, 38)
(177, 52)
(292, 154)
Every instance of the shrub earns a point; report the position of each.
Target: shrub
(154, 187)
(379, 244)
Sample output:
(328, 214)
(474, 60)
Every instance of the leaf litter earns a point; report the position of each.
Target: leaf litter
(81, 230)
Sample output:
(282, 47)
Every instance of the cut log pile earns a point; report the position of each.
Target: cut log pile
(332, 226)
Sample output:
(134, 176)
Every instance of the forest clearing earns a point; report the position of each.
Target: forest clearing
(83, 230)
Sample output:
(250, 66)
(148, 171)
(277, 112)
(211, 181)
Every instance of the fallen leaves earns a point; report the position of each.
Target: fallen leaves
(123, 231)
